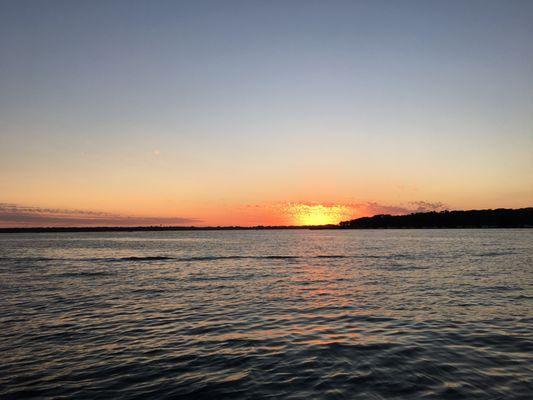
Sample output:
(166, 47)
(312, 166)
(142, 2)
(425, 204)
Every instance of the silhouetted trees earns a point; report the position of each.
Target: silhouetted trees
(499, 218)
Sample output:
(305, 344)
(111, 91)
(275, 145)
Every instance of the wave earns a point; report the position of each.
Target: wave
(495, 254)
(211, 258)
(171, 258)
(148, 258)
(198, 258)
(82, 274)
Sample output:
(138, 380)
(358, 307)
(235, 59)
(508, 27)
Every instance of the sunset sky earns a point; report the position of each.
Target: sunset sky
(262, 112)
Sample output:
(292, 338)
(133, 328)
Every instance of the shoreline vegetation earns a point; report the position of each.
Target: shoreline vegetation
(497, 218)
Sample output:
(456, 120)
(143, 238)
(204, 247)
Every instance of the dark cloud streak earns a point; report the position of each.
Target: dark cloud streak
(13, 215)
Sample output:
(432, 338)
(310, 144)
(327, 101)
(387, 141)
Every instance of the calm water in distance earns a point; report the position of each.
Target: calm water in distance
(373, 314)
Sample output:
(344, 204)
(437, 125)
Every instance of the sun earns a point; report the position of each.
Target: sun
(318, 214)
(317, 217)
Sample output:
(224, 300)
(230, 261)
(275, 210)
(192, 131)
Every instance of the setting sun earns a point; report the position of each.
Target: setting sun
(305, 214)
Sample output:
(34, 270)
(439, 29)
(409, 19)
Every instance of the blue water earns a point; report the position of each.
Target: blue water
(384, 314)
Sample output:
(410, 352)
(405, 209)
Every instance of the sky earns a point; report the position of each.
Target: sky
(262, 112)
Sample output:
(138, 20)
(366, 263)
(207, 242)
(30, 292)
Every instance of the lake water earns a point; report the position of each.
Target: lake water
(377, 314)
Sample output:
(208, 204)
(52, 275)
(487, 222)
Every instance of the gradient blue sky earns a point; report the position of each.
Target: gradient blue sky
(221, 111)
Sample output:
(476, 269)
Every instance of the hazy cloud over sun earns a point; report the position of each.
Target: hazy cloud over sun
(311, 213)
(20, 215)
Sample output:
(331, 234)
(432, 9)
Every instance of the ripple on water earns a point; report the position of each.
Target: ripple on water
(299, 315)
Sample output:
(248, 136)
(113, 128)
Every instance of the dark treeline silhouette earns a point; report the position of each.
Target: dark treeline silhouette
(499, 218)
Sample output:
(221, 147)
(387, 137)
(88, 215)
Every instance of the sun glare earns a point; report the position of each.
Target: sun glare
(305, 214)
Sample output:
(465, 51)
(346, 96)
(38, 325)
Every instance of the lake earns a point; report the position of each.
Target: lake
(274, 314)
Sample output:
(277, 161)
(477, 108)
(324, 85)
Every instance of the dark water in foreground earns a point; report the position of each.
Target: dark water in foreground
(396, 314)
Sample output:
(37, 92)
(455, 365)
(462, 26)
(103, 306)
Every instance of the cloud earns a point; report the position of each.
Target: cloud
(18, 215)
(374, 208)
(293, 212)
(424, 206)
(368, 208)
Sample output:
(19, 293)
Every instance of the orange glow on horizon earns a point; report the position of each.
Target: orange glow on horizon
(146, 213)
(319, 214)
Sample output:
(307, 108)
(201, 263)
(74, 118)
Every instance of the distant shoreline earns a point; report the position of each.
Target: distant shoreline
(240, 228)
(473, 219)
(154, 228)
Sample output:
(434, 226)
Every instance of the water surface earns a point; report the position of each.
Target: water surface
(374, 314)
